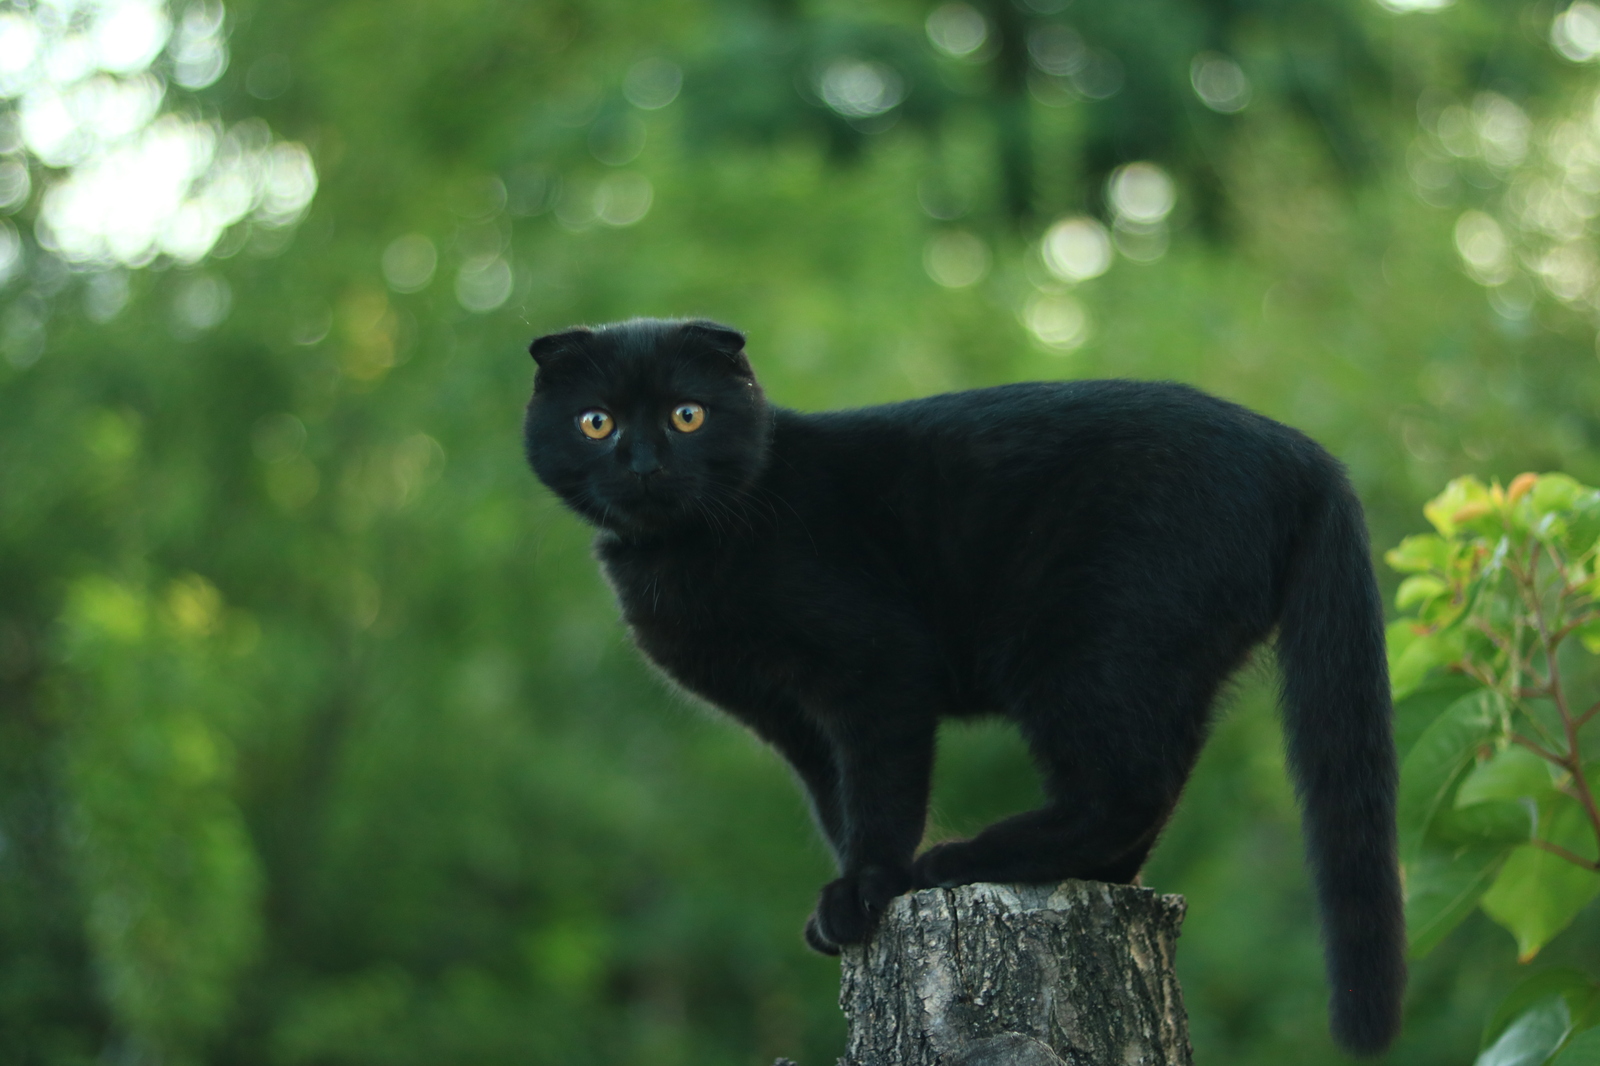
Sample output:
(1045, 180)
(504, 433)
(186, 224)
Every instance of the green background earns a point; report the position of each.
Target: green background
(320, 741)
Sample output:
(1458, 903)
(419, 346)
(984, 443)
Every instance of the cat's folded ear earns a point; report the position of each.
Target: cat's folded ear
(553, 346)
(724, 340)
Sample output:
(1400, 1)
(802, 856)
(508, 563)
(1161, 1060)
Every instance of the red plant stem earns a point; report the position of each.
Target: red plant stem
(1544, 753)
(1573, 760)
(1561, 568)
(1495, 638)
(1571, 856)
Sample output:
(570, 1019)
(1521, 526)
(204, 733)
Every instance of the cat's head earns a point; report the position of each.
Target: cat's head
(646, 425)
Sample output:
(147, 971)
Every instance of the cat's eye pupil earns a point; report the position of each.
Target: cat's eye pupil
(688, 417)
(596, 424)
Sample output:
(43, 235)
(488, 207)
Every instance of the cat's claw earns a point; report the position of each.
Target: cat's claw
(849, 907)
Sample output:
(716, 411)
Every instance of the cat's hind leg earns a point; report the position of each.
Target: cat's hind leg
(1113, 769)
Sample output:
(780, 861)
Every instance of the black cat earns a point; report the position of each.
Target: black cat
(1089, 559)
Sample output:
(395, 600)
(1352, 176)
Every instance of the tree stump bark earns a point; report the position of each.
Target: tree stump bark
(1078, 973)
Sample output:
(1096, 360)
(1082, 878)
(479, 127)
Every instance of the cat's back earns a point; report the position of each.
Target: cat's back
(1063, 489)
(1011, 434)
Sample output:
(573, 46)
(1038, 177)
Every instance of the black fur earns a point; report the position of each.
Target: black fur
(1088, 559)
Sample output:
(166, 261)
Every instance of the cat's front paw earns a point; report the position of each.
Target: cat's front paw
(849, 907)
(816, 941)
(944, 866)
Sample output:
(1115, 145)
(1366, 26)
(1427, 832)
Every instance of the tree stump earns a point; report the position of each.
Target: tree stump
(1078, 973)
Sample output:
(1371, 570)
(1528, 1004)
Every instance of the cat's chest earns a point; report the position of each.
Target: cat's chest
(689, 598)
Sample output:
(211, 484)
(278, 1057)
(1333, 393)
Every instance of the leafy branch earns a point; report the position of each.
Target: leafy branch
(1558, 608)
(1503, 621)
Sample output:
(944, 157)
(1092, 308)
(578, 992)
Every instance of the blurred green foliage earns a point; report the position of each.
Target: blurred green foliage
(320, 742)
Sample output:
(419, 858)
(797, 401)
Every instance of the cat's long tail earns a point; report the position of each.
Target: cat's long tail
(1337, 715)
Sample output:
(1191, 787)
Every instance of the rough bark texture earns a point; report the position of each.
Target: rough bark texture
(1019, 975)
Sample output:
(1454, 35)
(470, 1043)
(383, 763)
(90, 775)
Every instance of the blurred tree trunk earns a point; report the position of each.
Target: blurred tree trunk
(1079, 973)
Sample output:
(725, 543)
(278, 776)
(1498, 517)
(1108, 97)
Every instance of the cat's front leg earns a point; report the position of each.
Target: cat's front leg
(810, 753)
(849, 907)
(885, 762)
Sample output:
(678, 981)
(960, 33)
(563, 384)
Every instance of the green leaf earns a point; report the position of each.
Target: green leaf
(1537, 894)
(1419, 554)
(1414, 713)
(1586, 1014)
(1513, 774)
(1581, 1050)
(1437, 760)
(1532, 1038)
(1589, 634)
(1584, 527)
(1555, 493)
(1398, 638)
(1575, 986)
(1413, 656)
(1442, 887)
(1495, 822)
(1460, 493)
(1419, 588)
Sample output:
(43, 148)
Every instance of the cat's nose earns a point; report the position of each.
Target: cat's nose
(643, 462)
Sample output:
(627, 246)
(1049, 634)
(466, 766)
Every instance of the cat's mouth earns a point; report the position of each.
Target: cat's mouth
(648, 501)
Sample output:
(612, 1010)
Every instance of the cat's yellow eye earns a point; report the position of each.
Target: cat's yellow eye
(688, 417)
(596, 424)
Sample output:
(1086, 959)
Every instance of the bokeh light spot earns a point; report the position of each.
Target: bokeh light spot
(1219, 82)
(957, 30)
(409, 262)
(652, 84)
(1057, 321)
(1502, 128)
(19, 47)
(623, 199)
(1100, 77)
(128, 36)
(1142, 244)
(199, 53)
(1575, 32)
(1077, 249)
(1483, 248)
(15, 186)
(860, 88)
(312, 322)
(10, 251)
(483, 284)
(1568, 271)
(1141, 193)
(202, 303)
(1403, 7)
(617, 140)
(956, 259)
(1057, 49)
(105, 294)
